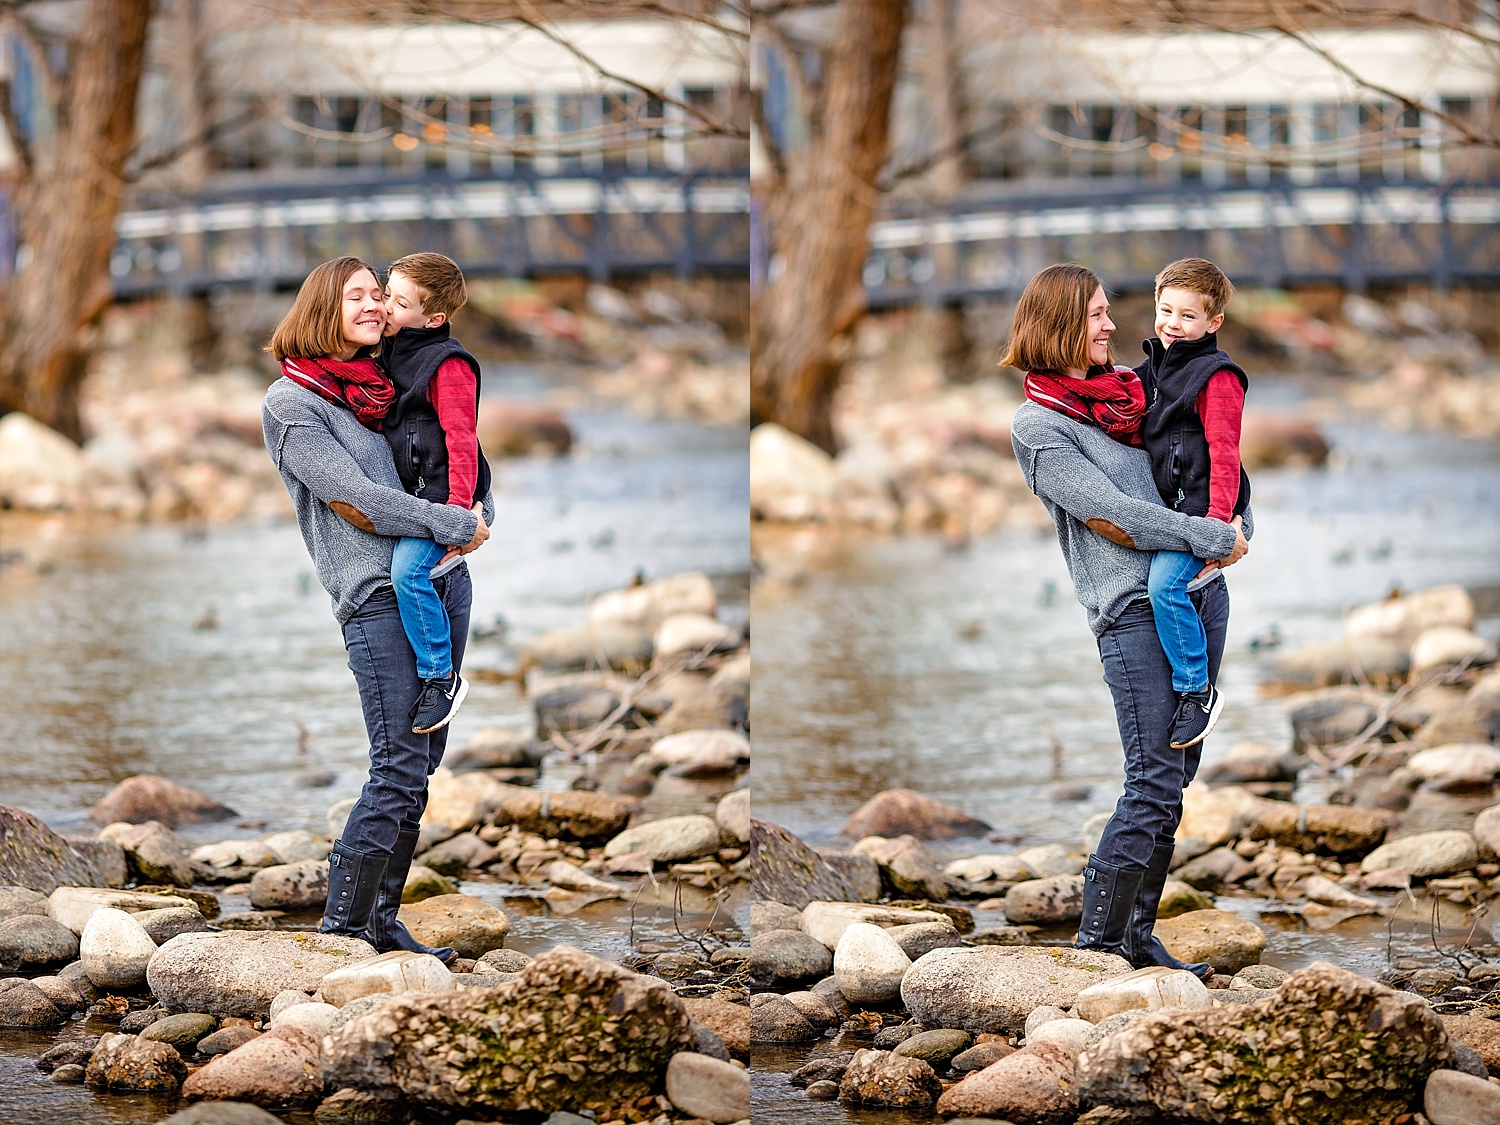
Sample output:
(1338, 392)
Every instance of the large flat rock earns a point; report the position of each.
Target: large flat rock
(239, 973)
(994, 988)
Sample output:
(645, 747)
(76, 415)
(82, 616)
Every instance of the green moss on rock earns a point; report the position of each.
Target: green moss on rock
(1330, 1048)
(570, 1031)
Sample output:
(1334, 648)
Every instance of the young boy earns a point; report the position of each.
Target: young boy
(1195, 397)
(431, 428)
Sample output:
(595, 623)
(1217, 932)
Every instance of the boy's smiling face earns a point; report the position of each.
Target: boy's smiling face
(1180, 316)
(403, 306)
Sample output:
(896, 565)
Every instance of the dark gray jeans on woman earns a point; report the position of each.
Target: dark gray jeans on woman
(1140, 678)
(385, 669)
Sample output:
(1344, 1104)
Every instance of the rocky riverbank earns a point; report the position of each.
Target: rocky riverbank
(197, 974)
(902, 969)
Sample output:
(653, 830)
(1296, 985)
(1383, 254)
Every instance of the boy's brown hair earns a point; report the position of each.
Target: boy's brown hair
(314, 326)
(439, 280)
(1050, 329)
(1200, 276)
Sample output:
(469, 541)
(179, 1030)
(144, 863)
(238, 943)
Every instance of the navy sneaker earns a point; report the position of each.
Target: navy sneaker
(1197, 713)
(438, 703)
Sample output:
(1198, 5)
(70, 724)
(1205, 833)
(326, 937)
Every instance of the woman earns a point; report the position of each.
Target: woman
(1110, 518)
(321, 424)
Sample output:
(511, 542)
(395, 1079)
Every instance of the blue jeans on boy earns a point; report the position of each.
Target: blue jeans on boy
(1177, 621)
(422, 613)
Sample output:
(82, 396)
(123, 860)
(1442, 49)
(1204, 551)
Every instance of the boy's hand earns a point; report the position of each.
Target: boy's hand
(1241, 545)
(481, 533)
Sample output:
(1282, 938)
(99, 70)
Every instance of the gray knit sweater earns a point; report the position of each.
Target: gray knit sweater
(349, 501)
(1108, 513)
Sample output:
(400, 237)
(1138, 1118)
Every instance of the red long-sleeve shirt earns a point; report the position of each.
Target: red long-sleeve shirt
(453, 393)
(1221, 406)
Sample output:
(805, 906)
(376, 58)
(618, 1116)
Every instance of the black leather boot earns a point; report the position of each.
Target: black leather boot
(1142, 947)
(387, 932)
(1108, 898)
(353, 884)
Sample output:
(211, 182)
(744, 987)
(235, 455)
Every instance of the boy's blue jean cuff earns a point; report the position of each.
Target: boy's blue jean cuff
(422, 613)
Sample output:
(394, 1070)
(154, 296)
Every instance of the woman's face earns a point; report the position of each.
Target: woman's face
(1101, 328)
(363, 311)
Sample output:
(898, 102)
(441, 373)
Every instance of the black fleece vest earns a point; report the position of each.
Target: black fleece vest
(411, 358)
(1172, 430)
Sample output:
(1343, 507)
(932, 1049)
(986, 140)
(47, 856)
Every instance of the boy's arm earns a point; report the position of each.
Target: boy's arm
(324, 466)
(453, 393)
(1221, 406)
(1061, 473)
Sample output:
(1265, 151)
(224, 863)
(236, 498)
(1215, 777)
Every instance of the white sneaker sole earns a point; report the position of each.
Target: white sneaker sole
(443, 568)
(1196, 584)
(1213, 718)
(458, 701)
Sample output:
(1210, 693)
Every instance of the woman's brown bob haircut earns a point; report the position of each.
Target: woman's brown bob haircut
(1050, 331)
(314, 327)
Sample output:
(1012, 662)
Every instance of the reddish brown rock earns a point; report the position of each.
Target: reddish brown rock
(1034, 1085)
(144, 797)
(896, 812)
(730, 1021)
(279, 1068)
(1479, 1033)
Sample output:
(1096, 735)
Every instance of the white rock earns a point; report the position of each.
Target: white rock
(1445, 645)
(791, 479)
(1038, 862)
(995, 988)
(705, 1087)
(296, 846)
(1153, 987)
(1425, 855)
(338, 816)
(827, 921)
(1403, 619)
(397, 971)
(73, 906)
(287, 998)
(314, 1018)
(1454, 1098)
(1487, 828)
(733, 814)
(645, 607)
(1093, 831)
(39, 468)
(1045, 1014)
(869, 965)
(114, 949)
(669, 840)
(463, 800)
(1464, 763)
(698, 752)
(1070, 1034)
(234, 853)
(685, 633)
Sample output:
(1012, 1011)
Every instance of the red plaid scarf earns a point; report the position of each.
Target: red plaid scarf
(1114, 400)
(357, 384)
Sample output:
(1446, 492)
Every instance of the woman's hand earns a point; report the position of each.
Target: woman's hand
(1241, 545)
(481, 532)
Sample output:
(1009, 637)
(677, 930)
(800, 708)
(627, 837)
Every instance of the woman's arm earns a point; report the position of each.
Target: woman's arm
(1063, 475)
(320, 462)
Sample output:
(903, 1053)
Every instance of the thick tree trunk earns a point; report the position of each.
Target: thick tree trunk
(66, 213)
(819, 223)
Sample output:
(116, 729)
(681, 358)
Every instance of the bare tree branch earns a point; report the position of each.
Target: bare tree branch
(18, 139)
(201, 139)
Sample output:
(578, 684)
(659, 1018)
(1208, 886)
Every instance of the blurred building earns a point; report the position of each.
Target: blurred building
(271, 141)
(1122, 133)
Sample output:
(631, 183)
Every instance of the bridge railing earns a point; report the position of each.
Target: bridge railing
(1353, 235)
(601, 225)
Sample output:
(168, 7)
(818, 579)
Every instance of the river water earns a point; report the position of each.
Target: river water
(884, 662)
(198, 654)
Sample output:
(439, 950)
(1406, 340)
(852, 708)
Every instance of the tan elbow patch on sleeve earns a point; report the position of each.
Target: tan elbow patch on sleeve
(1113, 532)
(353, 515)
